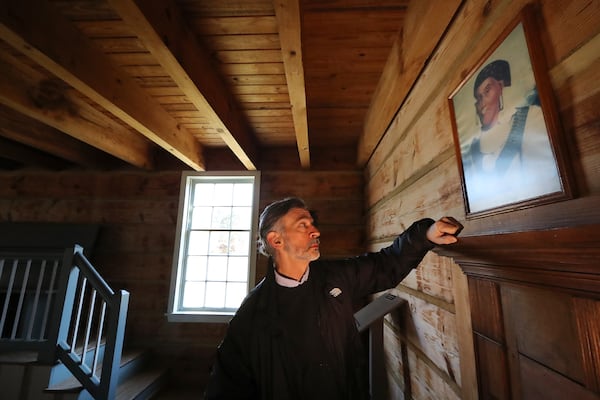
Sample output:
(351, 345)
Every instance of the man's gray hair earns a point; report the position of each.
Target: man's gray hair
(270, 217)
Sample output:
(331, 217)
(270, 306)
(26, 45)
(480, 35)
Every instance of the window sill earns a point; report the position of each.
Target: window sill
(197, 317)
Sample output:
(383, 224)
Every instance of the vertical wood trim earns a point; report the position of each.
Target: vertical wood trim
(587, 318)
(512, 346)
(464, 334)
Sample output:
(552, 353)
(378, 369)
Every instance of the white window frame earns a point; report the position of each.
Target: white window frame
(188, 179)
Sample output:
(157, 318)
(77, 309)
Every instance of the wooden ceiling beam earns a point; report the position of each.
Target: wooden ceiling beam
(17, 152)
(290, 35)
(26, 91)
(29, 132)
(162, 30)
(36, 29)
(413, 46)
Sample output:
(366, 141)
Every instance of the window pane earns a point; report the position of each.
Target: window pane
(193, 294)
(198, 243)
(242, 194)
(235, 294)
(238, 269)
(223, 194)
(219, 243)
(221, 218)
(215, 294)
(241, 218)
(201, 217)
(196, 268)
(217, 268)
(203, 194)
(217, 253)
(239, 243)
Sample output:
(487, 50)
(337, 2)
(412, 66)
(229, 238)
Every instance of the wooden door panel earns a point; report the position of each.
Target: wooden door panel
(543, 327)
(587, 315)
(535, 311)
(493, 369)
(486, 313)
(539, 382)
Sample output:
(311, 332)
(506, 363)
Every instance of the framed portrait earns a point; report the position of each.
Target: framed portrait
(507, 135)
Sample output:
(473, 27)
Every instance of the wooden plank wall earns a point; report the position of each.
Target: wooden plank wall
(413, 173)
(137, 212)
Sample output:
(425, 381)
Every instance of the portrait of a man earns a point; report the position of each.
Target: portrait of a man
(506, 152)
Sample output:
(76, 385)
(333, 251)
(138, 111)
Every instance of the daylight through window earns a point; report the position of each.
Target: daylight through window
(216, 250)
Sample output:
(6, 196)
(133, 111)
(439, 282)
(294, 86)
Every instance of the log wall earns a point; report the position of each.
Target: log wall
(137, 212)
(414, 173)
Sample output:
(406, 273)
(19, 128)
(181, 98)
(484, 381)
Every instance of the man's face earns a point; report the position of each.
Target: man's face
(488, 102)
(300, 236)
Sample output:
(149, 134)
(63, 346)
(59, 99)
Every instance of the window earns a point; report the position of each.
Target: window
(215, 248)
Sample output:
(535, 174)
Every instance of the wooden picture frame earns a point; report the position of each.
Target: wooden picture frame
(507, 134)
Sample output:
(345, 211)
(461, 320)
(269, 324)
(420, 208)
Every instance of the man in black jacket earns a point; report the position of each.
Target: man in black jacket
(294, 336)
